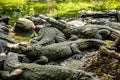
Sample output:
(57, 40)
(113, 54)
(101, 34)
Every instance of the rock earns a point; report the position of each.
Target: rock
(24, 25)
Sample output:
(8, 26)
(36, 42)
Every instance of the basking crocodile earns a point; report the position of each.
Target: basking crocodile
(58, 50)
(2, 59)
(106, 22)
(31, 71)
(3, 51)
(87, 31)
(7, 38)
(3, 47)
(94, 31)
(114, 25)
(49, 35)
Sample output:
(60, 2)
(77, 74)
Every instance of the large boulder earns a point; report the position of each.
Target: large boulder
(24, 25)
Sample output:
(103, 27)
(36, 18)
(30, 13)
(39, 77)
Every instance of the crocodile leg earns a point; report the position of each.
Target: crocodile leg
(60, 38)
(73, 37)
(77, 52)
(75, 48)
(36, 39)
(77, 56)
(101, 34)
(46, 41)
(42, 60)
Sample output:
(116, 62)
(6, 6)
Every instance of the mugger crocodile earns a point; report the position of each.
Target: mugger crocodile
(94, 31)
(56, 51)
(48, 35)
(31, 71)
(86, 31)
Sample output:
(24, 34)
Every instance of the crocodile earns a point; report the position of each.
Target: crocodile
(2, 59)
(114, 25)
(32, 71)
(94, 31)
(106, 22)
(3, 51)
(87, 31)
(3, 47)
(56, 51)
(49, 35)
(7, 38)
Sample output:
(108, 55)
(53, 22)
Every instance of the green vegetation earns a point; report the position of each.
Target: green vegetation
(22, 37)
(109, 42)
(69, 8)
(62, 8)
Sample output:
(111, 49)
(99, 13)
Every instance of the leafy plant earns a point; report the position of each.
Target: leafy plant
(62, 8)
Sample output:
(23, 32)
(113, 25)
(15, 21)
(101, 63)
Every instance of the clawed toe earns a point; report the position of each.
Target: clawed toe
(77, 56)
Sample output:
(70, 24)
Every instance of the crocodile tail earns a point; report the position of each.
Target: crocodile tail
(98, 42)
(91, 43)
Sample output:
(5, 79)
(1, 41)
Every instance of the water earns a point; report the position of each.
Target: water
(22, 37)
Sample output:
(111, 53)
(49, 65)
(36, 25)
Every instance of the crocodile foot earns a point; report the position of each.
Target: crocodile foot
(77, 56)
(75, 48)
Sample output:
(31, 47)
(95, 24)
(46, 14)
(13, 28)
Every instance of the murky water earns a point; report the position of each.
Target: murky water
(22, 37)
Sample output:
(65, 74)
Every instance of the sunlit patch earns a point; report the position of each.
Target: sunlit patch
(109, 42)
(22, 37)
